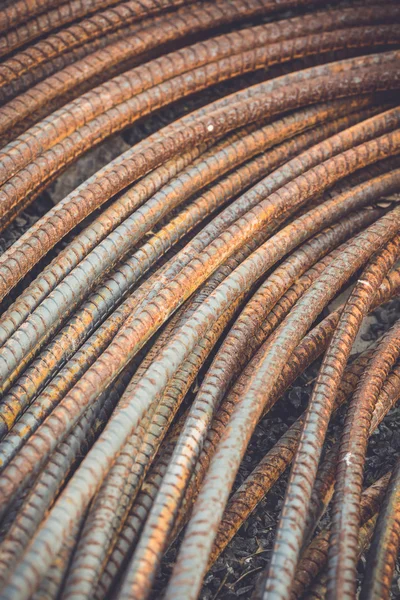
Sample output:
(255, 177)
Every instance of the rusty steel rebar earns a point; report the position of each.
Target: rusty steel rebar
(124, 88)
(239, 344)
(172, 397)
(152, 317)
(66, 46)
(315, 556)
(324, 485)
(132, 527)
(215, 162)
(136, 196)
(36, 60)
(307, 351)
(385, 544)
(274, 463)
(54, 474)
(15, 481)
(388, 397)
(20, 11)
(318, 590)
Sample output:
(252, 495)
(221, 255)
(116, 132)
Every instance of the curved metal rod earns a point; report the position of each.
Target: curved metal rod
(385, 544)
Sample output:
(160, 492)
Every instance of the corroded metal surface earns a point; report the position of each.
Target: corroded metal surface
(180, 291)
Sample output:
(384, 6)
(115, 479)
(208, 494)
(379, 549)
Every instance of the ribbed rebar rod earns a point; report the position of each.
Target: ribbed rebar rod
(130, 531)
(133, 525)
(85, 241)
(133, 268)
(307, 351)
(388, 397)
(55, 391)
(385, 545)
(318, 590)
(112, 217)
(51, 479)
(97, 538)
(52, 584)
(260, 481)
(342, 554)
(12, 85)
(22, 10)
(257, 222)
(241, 341)
(108, 95)
(86, 577)
(208, 256)
(35, 60)
(120, 89)
(324, 484)
(69, 45)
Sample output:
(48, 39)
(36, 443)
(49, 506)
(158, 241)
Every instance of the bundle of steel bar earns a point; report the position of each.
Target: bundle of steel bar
(156, 313)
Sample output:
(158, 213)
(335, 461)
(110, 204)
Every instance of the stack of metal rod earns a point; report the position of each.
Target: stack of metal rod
(151, 317)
